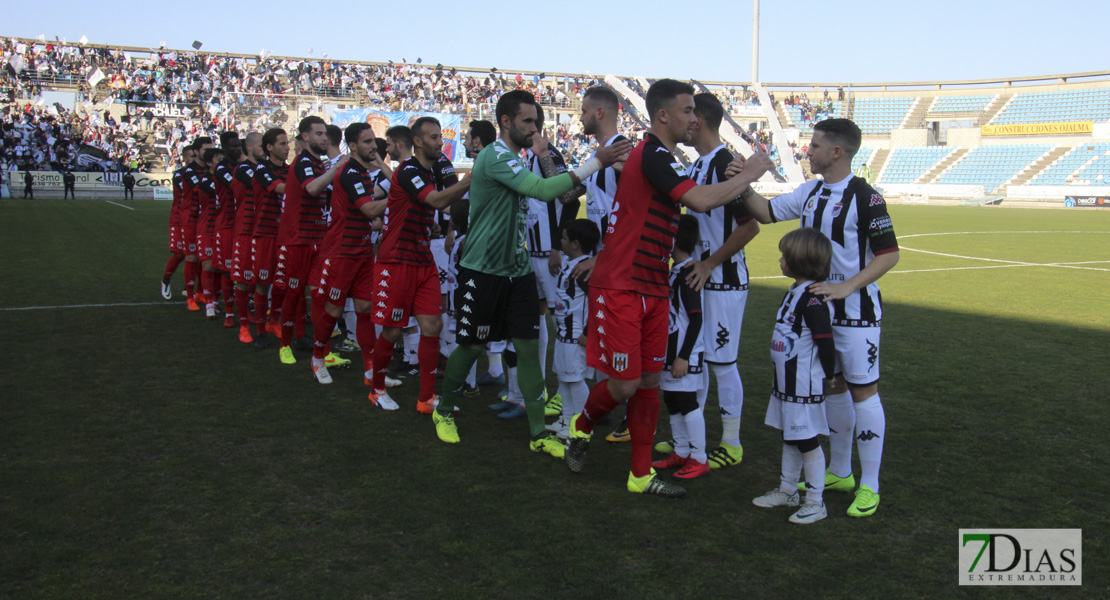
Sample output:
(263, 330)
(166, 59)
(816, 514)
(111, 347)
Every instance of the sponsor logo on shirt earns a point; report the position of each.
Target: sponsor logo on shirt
(515, 166)
(360, 188)
(417, 182)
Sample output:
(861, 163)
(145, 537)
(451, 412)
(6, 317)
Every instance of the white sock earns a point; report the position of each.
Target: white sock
(543, 347)
(791, 468)
(841, 416)
(514, 388)
(814, 470)
(678, 432)
(350, 319)
(695, 433)
(412, 342)
(369, 374)
(317, 362)
(730, 395)
(871, 430)
(495, 368)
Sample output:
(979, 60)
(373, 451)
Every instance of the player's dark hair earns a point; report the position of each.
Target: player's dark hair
(604, 96)
(382, 144)
(211, 154)
(584, 231)
(201, 141)
(709, 109)
(353, 132)
(227, 138)
(485, 131)
(509, 104)
(663, 92)
(188, 148)
(417, 127)
(686, 239)
(460, 216)
(843, 133)
(400, 134)
(335, 135)
(808, 254)
(270, 138)
(306, 124)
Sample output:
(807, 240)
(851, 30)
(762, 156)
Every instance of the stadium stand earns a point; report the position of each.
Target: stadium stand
(993, 166)
(860, 159)
(1065, 171)
(1056, 107)
(907, 165)
(961, 104)
(878, 116)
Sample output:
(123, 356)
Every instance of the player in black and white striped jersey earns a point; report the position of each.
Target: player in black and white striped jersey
(854, 217)
(721, 273)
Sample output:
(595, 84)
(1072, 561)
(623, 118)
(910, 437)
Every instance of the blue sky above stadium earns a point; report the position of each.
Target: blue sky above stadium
(801, 40)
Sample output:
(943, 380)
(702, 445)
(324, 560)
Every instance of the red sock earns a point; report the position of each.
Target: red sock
(260, 312)
(289, 315)
(598, 404)
(171, 265)
(228, 290)
(428, 353)
(324, 324)
(190, 279)
(302, 309)
(643, 417)
(277, 295)
(383, 353)
(241, 304)
(207, 284)
(366, 335)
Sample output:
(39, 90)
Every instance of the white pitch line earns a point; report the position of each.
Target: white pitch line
(914, 235)
(118, 204)
(1009, 262)
(165, 303)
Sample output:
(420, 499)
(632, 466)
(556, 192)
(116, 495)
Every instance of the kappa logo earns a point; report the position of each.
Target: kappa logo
(601, 344)
(601, 331)
(334, 293)
(381, 304)
(483, 331)
(867, 436)
(466, 308)
(385, 273)
(471, 284)
(384, 283)
(620, 361)
(379, 314)
(442, 276)
(382, 294)
(722, 335)
(398, 314)
(872, 354)
(814, 302)
(464, 321)
(601, 315)
(467, 296)
(877, 200)
(601, 300)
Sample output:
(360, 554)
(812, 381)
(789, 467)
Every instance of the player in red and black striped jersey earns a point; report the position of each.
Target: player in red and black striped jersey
(189, 211)
(224, 175)
(269, 189)
(303, 223)
(209, 205)
(406, 270)
(348, 250)
(242, 187)
(177, 243)
(629, 288)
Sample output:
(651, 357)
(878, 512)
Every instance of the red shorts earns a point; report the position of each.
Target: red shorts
(188, 240)
(628, 333)
(241, 260)
(294, 264)
(404, 290)
(223, 249)
(206, 246)
(175, 240)
(344, 276)
(264, 259)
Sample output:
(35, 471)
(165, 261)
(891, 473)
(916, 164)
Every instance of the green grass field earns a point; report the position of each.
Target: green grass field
(146, 453)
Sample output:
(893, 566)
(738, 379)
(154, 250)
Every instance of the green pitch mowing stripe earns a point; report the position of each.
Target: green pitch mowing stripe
(147, 453)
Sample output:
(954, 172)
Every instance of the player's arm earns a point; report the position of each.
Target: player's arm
(816, 317)
(316, 185)
(744, 233)
(691, 301)
(883, 244)
(440, 200)
(704, 198)
(552, 164)
(512, 174)
(870, 274)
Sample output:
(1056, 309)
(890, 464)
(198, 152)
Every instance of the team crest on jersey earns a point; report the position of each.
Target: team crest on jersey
(620, 361)
(877, 200)
(790, 319)
(334, 293)
(809, 205)
(264, 274)
(483, 331)
(294, 283)
(398, 313)
(837, 208)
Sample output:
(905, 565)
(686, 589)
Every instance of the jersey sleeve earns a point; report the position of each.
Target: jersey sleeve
(224, 173)
(880, 230)
(789, 206)
(408, 179)
(445, 173)
(507, 171)
(266, 178)
(358, 193)
(691, 301)
(733, 210)
(816, 318)
(557, 158)
(305, 172)
(665, 173)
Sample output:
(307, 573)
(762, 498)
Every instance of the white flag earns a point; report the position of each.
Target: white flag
(17, 63)
(84, 40)
(42, 37)
(96, 77)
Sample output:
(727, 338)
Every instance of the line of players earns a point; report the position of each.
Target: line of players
(281, 213)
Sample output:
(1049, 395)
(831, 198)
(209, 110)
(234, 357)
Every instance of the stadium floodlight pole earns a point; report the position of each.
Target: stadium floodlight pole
(755, 41)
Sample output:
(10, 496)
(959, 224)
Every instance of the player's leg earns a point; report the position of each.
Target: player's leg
(694, 423)
(426, 305)
(393, 285)
(678, 403)
(724, 316)
(524, 324)
(858, 351)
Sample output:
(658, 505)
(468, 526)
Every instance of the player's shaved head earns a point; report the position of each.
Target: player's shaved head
(841, 132)
(604, 96)
(252, 146)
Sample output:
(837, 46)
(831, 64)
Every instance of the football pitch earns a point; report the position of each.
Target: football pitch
(146, 453)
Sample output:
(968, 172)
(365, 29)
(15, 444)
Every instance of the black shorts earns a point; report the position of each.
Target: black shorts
(491, 308)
